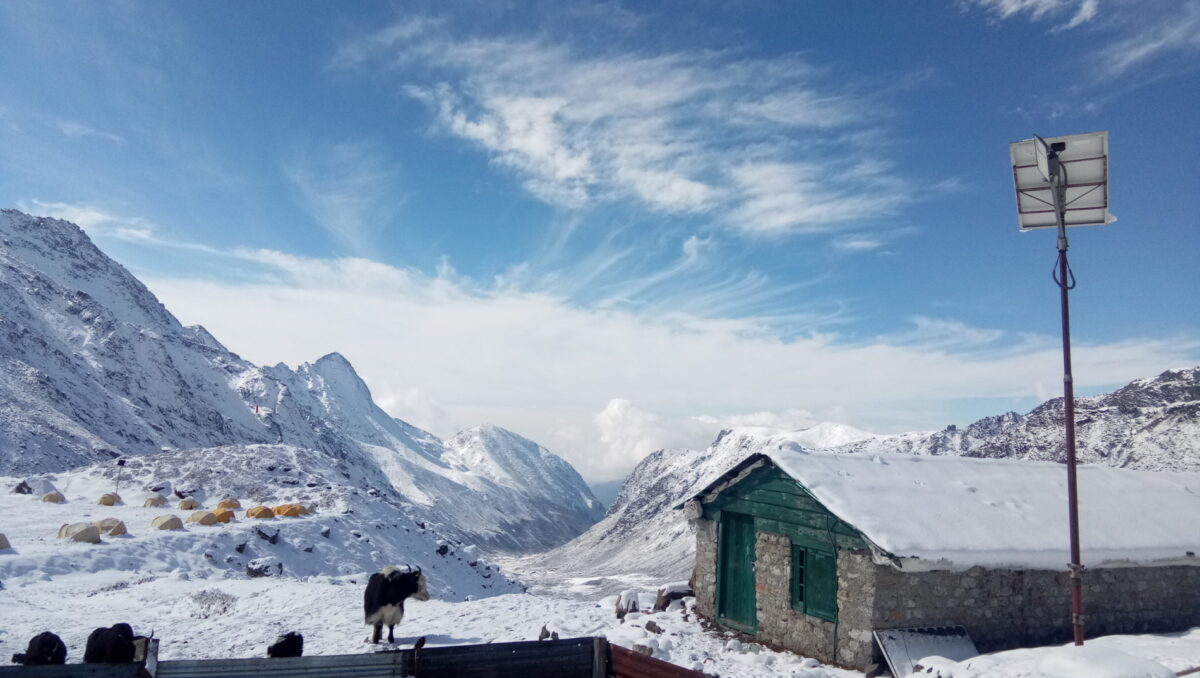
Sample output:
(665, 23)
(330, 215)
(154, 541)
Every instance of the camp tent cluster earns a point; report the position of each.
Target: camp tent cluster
(225, 512)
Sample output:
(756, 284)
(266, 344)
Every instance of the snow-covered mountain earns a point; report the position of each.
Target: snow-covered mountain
(1150, 424)
(92, 366)
(641, 538)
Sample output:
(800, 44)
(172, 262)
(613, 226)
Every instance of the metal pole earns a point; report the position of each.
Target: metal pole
(1059, 193)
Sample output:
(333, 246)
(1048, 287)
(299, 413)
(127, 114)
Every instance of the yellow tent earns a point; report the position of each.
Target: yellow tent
(229, 503)
(111, 527)
(167, 522)
(155, 501)
(85, 532)
(53, 497)
(260, 512)
(203, 517)
(188, 504)
(110, 499)
(290, 510)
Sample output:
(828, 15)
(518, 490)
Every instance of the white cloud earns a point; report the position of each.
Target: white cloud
(1134, 34)
(96, 221)
(656, 129)
(346, 188)
(1081, 10)
(75, 129)
(856, 244)
(447, 355)
(1174, 33)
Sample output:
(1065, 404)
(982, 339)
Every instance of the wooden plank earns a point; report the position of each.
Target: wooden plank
(808, 536)
(630, 664)
(792, 501)
(789, 515)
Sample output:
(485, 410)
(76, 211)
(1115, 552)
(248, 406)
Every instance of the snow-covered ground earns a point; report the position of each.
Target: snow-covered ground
(202, 607)
(239, 617)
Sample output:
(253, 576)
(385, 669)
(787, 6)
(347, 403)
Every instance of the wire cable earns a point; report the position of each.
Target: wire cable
(1070, 282)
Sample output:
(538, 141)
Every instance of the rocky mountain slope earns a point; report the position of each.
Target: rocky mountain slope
(352, 530)
(641, 539)
(92, 366)
(1149, 424)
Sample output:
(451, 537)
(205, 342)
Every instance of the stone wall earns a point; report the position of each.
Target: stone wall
(1001, 609)
(778, 623)
(704, 575)
(1019, 608)
(847, 642)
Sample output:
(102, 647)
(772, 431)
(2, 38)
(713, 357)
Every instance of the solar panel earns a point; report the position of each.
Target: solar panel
(1084, 162)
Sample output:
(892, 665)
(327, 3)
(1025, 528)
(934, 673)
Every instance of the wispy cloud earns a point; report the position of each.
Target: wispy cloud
(1132, 35)
(1175, 33)
(96, 221)
(75, 129)
(348, 188)
(659, 130)
(102, 224)
(1080, 11)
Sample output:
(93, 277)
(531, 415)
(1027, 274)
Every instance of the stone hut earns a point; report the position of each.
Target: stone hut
(813, 552)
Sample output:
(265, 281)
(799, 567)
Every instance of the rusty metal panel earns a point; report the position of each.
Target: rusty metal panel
(629, 664)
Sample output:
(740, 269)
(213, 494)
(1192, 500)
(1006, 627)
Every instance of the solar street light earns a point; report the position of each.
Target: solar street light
(1061, 182)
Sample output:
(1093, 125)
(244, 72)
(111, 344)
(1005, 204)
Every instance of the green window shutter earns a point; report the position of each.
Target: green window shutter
(798, 578)
(820, 584)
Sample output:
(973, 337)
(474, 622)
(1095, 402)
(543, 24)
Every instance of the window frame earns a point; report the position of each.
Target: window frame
(804, 581)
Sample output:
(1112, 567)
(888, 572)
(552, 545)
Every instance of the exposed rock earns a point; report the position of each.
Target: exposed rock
(268, 566)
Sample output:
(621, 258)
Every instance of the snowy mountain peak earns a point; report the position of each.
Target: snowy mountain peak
(92, 366)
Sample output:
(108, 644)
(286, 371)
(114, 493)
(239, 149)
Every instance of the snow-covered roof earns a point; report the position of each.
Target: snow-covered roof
(1000, 513)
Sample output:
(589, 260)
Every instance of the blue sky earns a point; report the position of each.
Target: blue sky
(614, 227)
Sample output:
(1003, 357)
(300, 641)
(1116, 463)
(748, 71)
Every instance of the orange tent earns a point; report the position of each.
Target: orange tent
(229, 503)
(223, 514)
(290, 510)
(260, 512)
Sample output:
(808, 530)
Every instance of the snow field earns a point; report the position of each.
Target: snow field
(238, 617)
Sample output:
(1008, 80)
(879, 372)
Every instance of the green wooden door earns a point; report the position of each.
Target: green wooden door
(735, 572)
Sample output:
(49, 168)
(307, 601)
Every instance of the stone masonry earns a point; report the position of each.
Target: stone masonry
(1001, 609)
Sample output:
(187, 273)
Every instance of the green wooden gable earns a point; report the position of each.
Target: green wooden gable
(782, 505)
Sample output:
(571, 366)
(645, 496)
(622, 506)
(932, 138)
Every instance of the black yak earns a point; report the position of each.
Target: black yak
(290, 644)
(44, 649)
(110, 646)
(383, 602)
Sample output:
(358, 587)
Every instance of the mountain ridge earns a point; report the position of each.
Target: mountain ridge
(93, 366)
(1152, 423)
